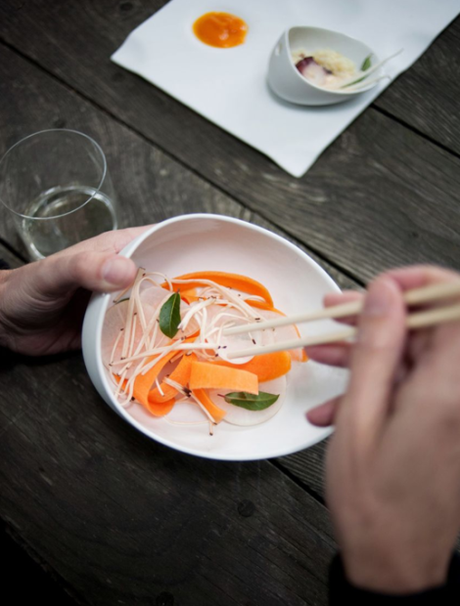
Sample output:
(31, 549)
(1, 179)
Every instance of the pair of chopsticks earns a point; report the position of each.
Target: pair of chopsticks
(422, 319)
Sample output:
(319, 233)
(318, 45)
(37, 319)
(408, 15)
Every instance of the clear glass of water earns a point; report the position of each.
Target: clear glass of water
(59, 192)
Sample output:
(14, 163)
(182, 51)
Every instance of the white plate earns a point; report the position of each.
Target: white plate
(296, 282)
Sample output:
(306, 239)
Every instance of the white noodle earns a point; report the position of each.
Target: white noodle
(148, 351)
(208, 414)
(221, 289)
(114, 348)
(157, 383)
(129, 315)
(159, 350)
(133, 335)
(194, 309)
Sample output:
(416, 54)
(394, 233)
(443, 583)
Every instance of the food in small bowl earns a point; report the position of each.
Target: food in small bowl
(315, 66)
(222, 245)
(327, 68)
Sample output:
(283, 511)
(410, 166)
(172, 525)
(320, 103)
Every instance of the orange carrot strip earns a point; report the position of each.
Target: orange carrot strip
(266, 366)
(298, 355)
(203, 397)
(209, 376)
(181, 374)
(143, 383)
(188, 295)
(190, 298)
(263, 305)
(236, 281)
(159, 410)
(187, 292)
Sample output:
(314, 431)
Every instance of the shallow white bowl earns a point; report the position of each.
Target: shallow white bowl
(296, 282)
(288, 83)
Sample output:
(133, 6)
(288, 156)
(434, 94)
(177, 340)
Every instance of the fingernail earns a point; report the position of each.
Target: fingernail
(379, 299)
(117, 271)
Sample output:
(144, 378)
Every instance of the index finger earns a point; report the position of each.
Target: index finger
(417, 276)
(375, 359)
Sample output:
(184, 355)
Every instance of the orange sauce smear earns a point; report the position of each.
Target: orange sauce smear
(221, 30)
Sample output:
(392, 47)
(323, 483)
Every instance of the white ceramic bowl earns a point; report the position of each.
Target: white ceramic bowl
(296, 282)
(288, 83)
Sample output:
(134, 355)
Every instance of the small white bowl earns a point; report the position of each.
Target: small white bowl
(296, 282)
(288, 83)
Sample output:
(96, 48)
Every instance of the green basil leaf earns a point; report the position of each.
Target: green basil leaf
(366, 63)
(170, 316)
(251, 401)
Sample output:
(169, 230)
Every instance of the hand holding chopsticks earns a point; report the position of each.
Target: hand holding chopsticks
(426, 294)
(393, 469)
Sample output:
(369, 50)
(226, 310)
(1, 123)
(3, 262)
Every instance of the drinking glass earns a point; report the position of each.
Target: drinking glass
(57, 187)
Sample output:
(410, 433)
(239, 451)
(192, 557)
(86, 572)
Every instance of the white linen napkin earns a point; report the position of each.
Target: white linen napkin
(228, 86)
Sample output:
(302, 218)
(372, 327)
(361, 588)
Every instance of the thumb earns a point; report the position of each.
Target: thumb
(58, 277)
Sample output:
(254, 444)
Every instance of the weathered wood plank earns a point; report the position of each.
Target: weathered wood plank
(16, 556)
(122, 518)
(8, 257)
(76, 494)
(426, 97)
(150, 184)
(308, 467)
(379, 196)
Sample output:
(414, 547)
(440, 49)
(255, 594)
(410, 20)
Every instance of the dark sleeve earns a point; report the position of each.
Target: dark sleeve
(4, 264)
(341, 590)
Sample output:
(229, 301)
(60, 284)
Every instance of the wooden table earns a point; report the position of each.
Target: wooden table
(113, 516)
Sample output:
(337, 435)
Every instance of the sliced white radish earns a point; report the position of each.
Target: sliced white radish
(219, 317)
(114, 325)
(279, 334)
(112, 336)
(240, 416)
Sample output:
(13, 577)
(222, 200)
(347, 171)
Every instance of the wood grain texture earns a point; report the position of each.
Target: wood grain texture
(427, 96)
(126, 520)
(151, 185)
(379, 196)
(308, 467)
(25, 488)
(8, 256)
(17, 556)
(117, 518)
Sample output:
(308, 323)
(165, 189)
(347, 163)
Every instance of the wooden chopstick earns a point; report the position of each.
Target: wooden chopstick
(416, 320)
(426, 294)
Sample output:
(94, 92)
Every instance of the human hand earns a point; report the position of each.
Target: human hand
(393, 464)
(42, 304)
